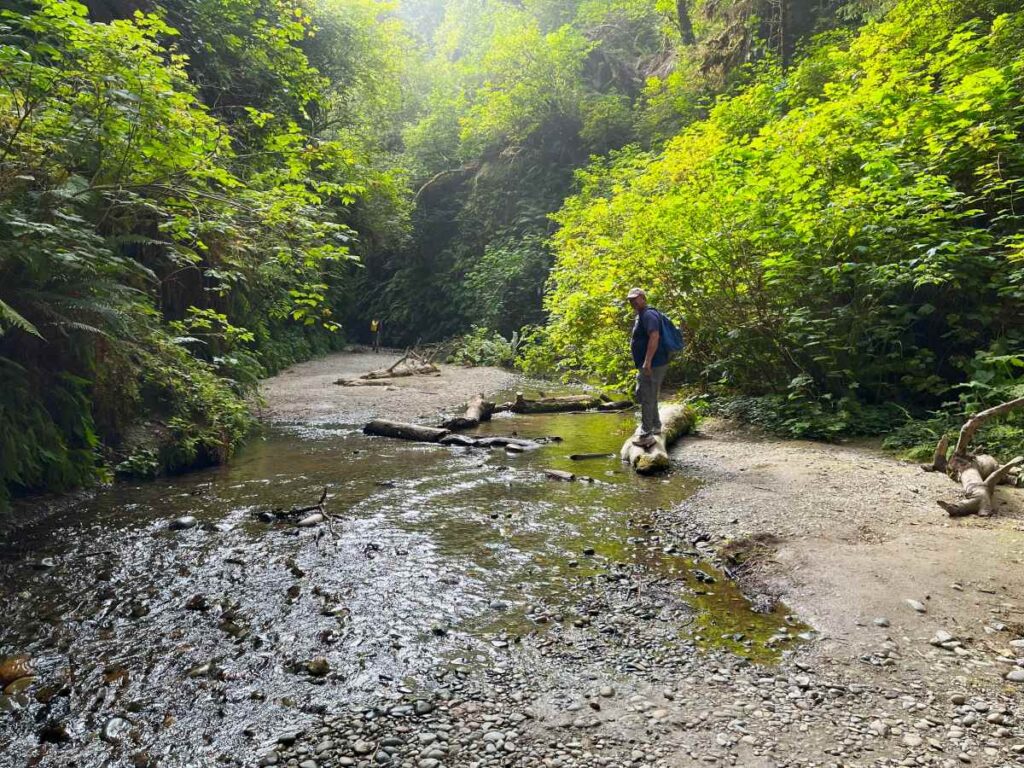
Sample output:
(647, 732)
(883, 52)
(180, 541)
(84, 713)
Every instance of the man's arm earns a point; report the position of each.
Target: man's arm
(652, 347)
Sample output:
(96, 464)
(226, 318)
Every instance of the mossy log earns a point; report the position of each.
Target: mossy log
(676, 421)
(555, 404)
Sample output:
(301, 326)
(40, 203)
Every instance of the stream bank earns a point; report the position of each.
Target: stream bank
(461, 609)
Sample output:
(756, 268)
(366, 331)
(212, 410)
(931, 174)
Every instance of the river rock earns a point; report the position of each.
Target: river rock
(917, 605)
(423, 707)
(19, 685)
(1015, 675)
(115, 729)
(362, 747)
(941, 637)
(183, 522)
(318, 667)
(13, 668)
(55, 733)
(308, 522)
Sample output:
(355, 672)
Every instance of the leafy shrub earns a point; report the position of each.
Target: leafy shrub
(851, 224)
(805, 418)
(484, 347)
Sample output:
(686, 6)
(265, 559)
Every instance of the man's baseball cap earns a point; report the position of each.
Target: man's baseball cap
(634, 292)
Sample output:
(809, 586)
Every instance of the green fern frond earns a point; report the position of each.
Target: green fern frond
(12, 318)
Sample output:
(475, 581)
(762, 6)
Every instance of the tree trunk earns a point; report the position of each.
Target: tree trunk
(684, 23)
(477, 410)
(403, 431)
(676, 421)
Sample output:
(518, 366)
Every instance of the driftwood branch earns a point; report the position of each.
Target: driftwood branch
(977, 474)
(971, 426)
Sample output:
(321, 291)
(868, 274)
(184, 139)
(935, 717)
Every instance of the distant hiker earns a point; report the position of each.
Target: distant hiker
(375, 332)
(651, 360)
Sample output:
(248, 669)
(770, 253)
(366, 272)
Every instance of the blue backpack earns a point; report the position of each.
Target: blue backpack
(671, 337)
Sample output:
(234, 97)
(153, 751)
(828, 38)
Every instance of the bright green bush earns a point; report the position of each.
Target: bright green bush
(484, 347)
(846, 232)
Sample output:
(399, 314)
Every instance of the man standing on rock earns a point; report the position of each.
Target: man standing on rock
(651, 362)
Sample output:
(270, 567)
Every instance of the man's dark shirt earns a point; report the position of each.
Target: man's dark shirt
(646, 322)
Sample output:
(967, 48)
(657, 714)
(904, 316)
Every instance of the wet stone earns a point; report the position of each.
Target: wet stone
(183, 523)
(115, 729)
(1015, 676)
(271, 758)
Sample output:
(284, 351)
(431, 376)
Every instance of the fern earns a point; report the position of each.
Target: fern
(10, 317)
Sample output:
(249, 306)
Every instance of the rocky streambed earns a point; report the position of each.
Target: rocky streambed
(454, 607)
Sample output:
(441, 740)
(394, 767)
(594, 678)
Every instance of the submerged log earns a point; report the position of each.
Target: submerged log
(554, 404)
(477, 410)
(404, 431)
(490, 441)
(676, 421)
(977, 474)
(558, 474)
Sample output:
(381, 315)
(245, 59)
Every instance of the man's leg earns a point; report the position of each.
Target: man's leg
(648, 403)
(657, 379)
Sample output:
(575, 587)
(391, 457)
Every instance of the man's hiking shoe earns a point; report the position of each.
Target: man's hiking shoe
(644, 441)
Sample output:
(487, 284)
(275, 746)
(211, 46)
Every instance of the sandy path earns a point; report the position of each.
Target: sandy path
(856, 534)
(306, 393)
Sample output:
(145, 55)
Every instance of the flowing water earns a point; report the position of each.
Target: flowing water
(140, 635)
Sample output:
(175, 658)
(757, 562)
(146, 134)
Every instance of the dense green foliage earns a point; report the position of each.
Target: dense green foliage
(846, 233)
(515, 98)
(177, 209)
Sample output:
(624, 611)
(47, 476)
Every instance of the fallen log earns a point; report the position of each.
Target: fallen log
(558, 474)
(977, 474)
(554, 404)
(415, 369)
(404, 431)
(477, 410)
(676, 421)
(585, 456)
(615, 405)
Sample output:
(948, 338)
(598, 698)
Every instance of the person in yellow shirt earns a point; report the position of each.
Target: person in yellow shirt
(375, 333)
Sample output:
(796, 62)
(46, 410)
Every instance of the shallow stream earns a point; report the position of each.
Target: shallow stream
(193, 640)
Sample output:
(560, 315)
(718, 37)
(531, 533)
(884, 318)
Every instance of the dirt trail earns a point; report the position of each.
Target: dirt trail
(306, 393)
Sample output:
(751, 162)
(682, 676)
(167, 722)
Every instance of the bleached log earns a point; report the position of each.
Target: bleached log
(676, 421)
(978, 475)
